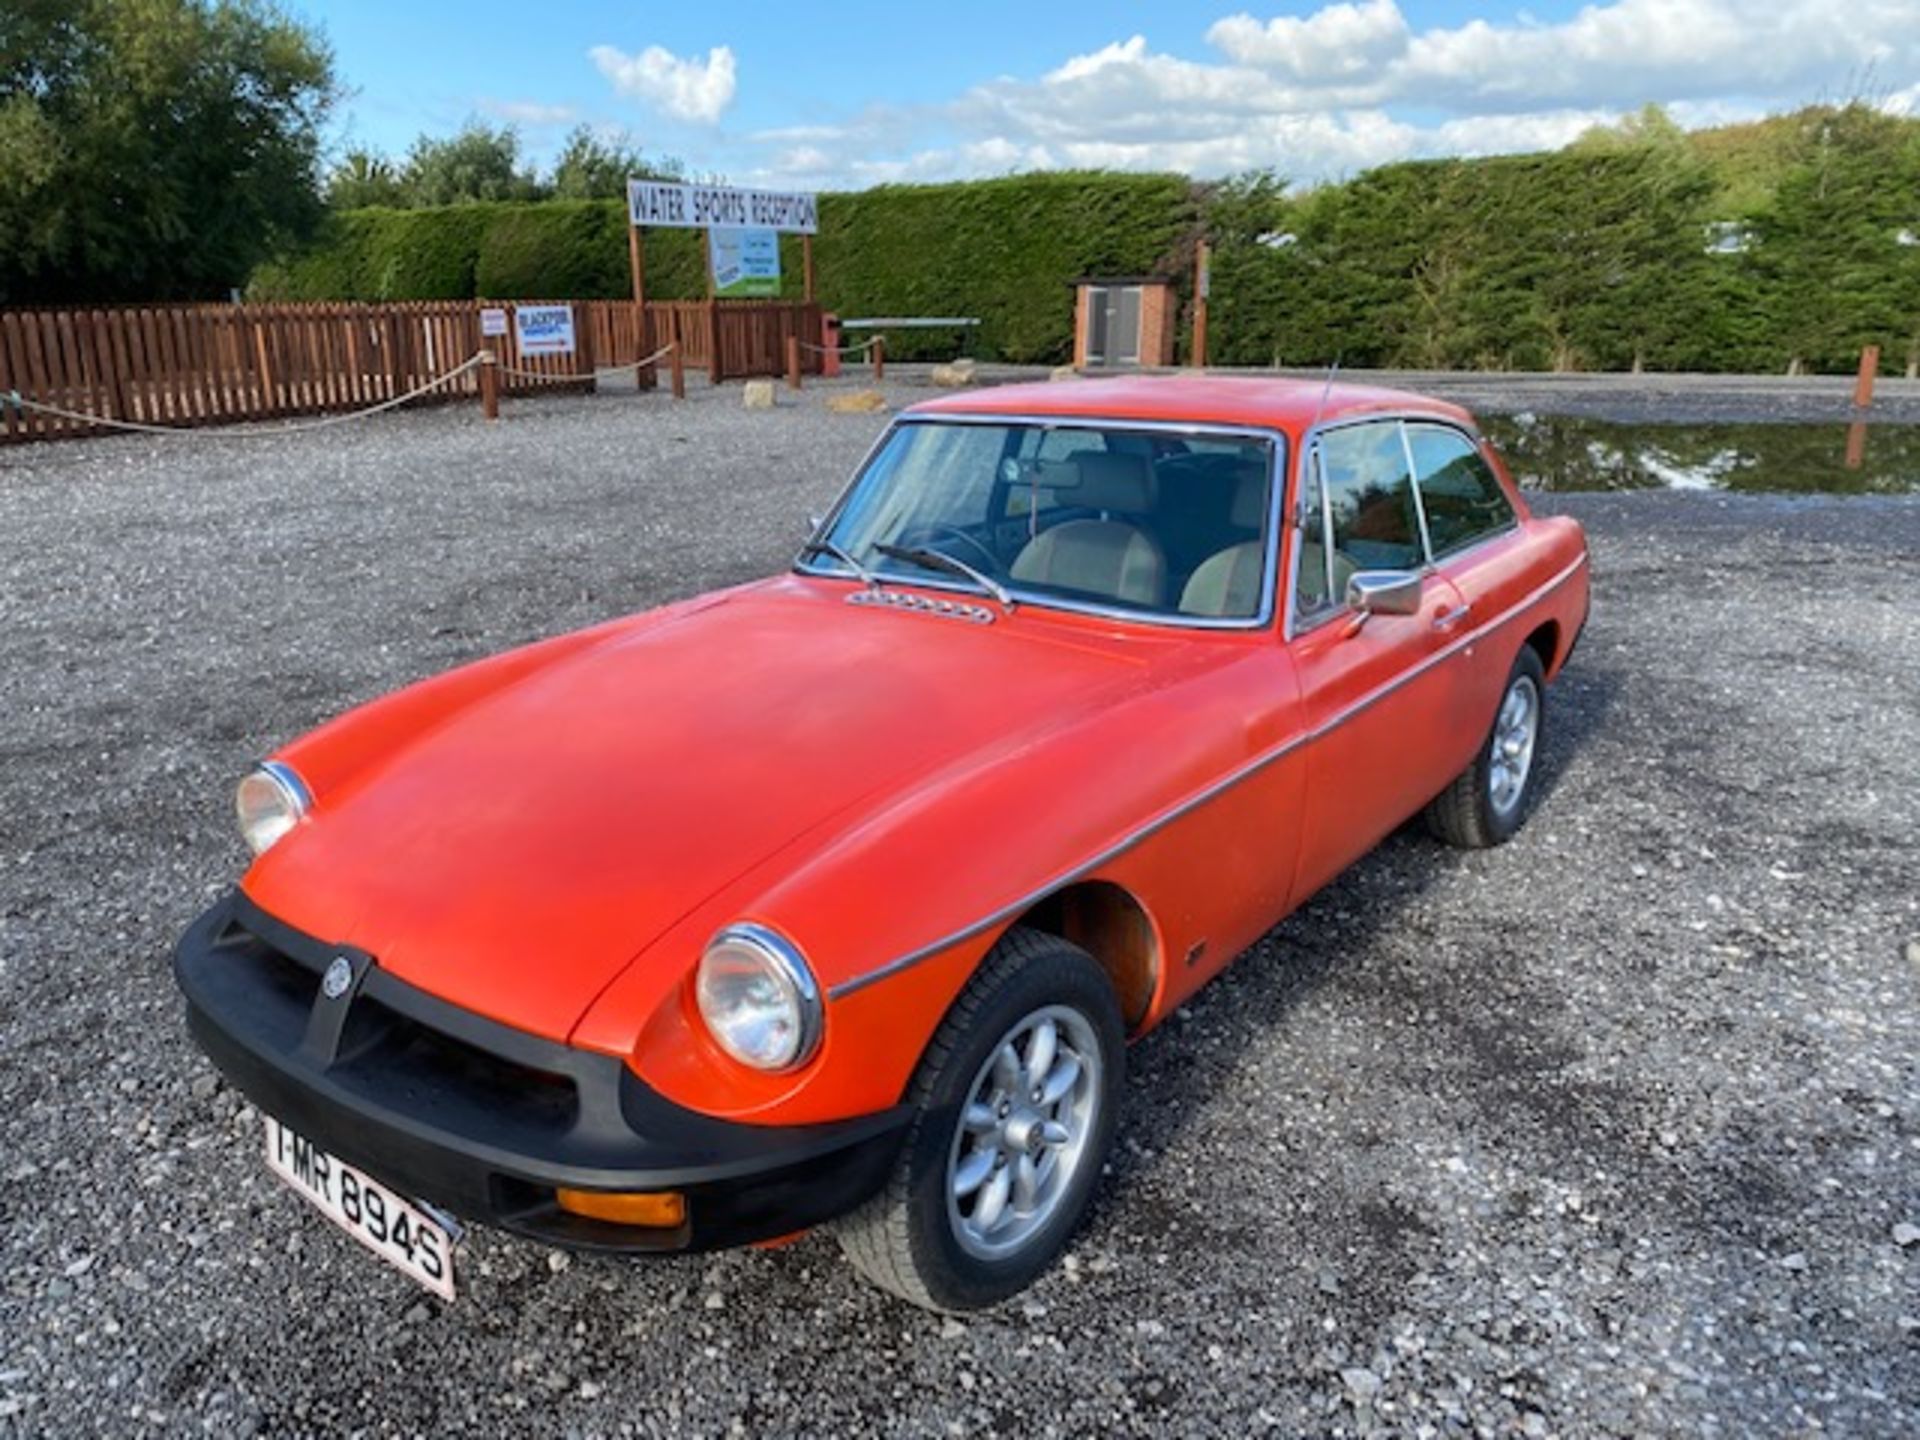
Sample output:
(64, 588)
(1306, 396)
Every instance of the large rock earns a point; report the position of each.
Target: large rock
(1063, 372)
(954, 375)
(856, 402)
(758, 395)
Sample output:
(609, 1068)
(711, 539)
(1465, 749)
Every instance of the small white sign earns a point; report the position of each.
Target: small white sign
(493, 321)
(544, 329)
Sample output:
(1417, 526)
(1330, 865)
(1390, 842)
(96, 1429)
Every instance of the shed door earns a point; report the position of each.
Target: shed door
(1113, 325)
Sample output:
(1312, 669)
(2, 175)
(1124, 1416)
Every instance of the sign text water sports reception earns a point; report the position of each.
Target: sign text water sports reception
(699, 207)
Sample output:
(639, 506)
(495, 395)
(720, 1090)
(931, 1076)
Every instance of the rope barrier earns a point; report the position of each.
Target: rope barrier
(20, 402)
(653, 359)
(860, 349)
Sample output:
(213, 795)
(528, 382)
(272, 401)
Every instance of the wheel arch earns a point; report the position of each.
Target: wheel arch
(1544, 640)
(1110, 923)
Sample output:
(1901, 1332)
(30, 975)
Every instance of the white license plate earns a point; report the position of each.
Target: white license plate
(396, 1230)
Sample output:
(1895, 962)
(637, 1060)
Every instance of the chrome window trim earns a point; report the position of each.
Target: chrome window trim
(1277, 462)
(1295, 625)
(1419, 500)
(1309, 446)
(1208, 792)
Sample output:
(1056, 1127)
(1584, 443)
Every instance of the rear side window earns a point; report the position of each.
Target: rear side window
(1463, 500)
(1370, 499)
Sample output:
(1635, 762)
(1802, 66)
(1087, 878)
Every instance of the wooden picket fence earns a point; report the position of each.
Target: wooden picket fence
(190, 365)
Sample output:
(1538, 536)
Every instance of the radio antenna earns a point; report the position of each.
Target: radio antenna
(1325, 391)
(1299, 516)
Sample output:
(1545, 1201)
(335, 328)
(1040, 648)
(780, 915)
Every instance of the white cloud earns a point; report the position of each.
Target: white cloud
(1355, 84)
(687, 89)
(1614, 54)
(529, 112)
(1340, 42)
(797, 134)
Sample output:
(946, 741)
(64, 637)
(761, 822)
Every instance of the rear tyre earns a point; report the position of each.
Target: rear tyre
(1485, 804)
(1016, 1100)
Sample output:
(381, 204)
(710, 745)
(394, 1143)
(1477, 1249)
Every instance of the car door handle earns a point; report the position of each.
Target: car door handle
(1452, 617)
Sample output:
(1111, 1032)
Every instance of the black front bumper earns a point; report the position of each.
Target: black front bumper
(486, 1121)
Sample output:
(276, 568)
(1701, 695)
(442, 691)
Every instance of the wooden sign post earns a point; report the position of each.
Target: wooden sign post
(706, 208)
(1202, 283)
(643, 378)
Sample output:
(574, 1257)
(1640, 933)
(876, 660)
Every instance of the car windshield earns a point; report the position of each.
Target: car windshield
(1164, 524)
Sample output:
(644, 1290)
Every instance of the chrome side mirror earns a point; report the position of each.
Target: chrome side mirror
(1384, 592)
(814, 522)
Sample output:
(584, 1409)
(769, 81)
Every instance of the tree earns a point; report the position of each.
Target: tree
(1836, 245)
(479, 163)
(1246, 221)
(589, 168)
(363, 178)
(153, 149)
(1648, 128)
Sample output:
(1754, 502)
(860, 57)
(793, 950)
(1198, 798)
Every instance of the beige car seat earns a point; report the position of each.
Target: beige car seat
(1227, 583)
(1106, 557)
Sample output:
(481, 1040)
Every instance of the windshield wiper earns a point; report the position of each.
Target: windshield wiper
(827, 547)
(940, 560)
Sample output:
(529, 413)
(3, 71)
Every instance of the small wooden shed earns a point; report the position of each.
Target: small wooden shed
(1123, 320)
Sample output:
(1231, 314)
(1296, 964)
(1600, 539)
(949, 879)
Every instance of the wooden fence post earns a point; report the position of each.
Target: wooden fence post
(679, 369)
(1863, 385)
(489, 385)
(793, 362)
(879, 357)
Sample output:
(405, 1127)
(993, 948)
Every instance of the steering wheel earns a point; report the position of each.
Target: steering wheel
(921, 535)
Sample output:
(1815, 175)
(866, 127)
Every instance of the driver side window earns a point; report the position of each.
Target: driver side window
(1359, 515)
(1370, 498)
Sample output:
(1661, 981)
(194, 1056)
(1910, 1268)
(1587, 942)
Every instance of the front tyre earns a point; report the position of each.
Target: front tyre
(1486, 803)
(1016, 1100)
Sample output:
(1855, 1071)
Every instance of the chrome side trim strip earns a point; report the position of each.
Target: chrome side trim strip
(1201, 797)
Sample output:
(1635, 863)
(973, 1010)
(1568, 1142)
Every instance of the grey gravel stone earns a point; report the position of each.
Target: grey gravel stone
(1544, 1111)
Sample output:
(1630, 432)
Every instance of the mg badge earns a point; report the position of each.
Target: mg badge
(338, 978)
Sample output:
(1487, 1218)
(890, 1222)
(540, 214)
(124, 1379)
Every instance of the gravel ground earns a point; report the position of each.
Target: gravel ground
(1614, 1130)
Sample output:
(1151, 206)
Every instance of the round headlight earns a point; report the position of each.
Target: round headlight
(270, 802)
(758, 998)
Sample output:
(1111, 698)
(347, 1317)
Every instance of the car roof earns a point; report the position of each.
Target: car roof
(1270, 402)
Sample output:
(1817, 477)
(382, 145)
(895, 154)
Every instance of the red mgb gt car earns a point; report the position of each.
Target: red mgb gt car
(838, 896)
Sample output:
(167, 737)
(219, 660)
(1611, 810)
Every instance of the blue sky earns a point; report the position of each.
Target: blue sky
(851, 94)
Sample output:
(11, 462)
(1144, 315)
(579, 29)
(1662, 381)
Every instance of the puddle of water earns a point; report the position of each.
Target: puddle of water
(1560, 452)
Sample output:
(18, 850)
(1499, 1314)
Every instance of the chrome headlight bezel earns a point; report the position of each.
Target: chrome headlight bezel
(269, 801)
(732, 961)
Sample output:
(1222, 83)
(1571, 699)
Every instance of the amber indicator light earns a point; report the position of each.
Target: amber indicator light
(659, 1210)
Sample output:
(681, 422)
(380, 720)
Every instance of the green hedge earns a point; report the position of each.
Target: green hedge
(1002, 250)
(1590, 258)
(383, 255)
(1594, 257)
